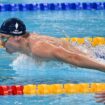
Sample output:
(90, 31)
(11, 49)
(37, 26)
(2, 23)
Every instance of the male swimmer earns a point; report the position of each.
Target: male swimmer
(15, 38)
(100, 97)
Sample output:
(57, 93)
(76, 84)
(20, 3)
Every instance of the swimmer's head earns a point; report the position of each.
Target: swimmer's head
(13, 27)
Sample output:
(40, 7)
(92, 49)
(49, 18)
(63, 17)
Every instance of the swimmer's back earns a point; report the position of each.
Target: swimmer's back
(51, 40)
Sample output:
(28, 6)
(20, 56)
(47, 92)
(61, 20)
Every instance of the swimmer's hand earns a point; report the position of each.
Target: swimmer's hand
(100, 97)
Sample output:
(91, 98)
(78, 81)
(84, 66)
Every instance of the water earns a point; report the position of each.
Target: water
(24, 70)
(50, 100)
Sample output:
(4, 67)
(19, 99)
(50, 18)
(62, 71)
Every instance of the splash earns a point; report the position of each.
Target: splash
(25, 62)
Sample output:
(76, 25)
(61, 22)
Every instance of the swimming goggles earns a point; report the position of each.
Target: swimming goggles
(4, 39)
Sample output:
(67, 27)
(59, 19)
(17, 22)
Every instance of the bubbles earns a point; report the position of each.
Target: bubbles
(21, 62)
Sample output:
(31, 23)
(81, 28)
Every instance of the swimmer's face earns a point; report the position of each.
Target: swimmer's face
(10, 43)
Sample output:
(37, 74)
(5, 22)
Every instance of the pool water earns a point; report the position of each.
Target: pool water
(20, 69)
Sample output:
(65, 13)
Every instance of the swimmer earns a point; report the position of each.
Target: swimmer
(100, 97)
(15, 38)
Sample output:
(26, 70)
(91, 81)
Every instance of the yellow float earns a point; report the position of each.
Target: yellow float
(94, 41)
(69, 88)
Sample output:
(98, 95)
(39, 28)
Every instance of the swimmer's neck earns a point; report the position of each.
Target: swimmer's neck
(25, 47)
(25, 44)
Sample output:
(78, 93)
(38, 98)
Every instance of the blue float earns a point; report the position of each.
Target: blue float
(20, 7)
(63, 6)
(85, 6)
(7, 7)
(53, 6)
(41, 6)
(94, 6)
(29, 7)
(0, 7)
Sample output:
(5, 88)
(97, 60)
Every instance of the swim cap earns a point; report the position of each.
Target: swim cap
(13, 26)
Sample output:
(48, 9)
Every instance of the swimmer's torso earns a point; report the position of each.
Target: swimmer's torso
(42, 45)
(45, 49)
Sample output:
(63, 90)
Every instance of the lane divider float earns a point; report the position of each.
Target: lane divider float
(52, 89)
(95, 41)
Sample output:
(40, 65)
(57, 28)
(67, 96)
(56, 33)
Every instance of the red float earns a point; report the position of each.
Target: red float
(5, 90)
(17, 90)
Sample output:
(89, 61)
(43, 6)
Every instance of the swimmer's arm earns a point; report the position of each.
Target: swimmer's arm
(78, 59)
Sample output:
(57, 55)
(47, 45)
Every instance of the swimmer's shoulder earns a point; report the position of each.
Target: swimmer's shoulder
(36, 35)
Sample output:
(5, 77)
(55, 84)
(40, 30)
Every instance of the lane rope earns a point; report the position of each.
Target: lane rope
(53, 6)
(52, 89)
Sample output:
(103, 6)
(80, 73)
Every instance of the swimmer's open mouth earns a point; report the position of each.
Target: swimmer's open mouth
(8, 51)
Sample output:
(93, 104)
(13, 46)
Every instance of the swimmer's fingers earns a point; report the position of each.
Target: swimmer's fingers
(101, 100)
(100, 93)
(100, 97)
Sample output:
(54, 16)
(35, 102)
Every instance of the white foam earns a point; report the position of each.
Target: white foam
(25, 65)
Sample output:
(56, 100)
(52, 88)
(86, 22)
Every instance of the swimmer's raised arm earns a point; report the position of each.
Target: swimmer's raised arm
(78, 59)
